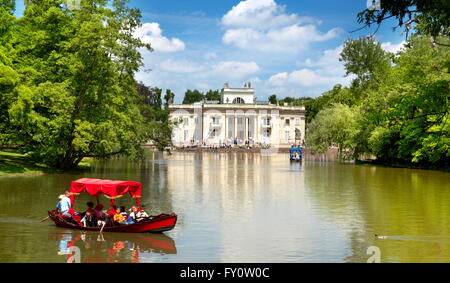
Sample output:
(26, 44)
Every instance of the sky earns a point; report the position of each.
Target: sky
(283, 47)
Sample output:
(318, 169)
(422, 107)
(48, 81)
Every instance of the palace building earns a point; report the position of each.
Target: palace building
(238, 118)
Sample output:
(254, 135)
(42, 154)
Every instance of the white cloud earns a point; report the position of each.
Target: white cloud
(235, 70)
(152, 33)
(393, 48)
(304, 77)
(279, 79)
(291, 39)
(182, 66)
(261, 14)
(263, 25)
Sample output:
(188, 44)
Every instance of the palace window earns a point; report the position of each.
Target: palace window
(238, 101)
(215, 120)
(287, 122)
(287, 136)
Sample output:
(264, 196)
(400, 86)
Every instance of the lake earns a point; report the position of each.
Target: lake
(241, 207)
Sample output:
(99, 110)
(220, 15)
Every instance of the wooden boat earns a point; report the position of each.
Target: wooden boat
(154, 224)
(113, 190)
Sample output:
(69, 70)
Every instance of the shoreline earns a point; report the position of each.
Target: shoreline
(229, 150)
(330, 156)
(15, 164)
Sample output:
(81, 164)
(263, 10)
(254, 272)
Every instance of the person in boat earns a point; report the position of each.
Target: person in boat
(101, 215)
(112, 212)
(99, 211)
(141, 215)
(90, 216)
(64, 205)
(137, 215)
(119, 217)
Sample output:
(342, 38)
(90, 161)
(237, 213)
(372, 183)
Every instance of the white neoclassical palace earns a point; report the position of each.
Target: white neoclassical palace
(236, 119)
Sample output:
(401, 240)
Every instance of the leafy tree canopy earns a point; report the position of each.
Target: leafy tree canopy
(71, 89)
(427, 17)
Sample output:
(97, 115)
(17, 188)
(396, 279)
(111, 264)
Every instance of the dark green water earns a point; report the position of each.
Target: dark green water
(242, 208)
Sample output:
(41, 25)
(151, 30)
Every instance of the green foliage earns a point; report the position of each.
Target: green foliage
(150, 96)
(365, 58)
(71, 91)
(335, 125)
(403, 109)
(428, 17)
(193, 96)
(168, 98)
(273, 99)
(212, 95)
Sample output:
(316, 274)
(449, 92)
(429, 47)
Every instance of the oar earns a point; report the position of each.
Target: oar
(45, 219)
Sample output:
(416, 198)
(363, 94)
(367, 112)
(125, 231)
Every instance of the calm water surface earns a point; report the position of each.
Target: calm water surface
(242, 208)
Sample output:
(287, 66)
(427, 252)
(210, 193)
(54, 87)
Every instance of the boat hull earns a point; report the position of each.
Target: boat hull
(156, 224)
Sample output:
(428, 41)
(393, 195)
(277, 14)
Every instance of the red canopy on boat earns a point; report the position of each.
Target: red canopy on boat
(110, 189)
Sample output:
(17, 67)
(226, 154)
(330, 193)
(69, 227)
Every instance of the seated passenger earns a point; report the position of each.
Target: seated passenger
(112, 211)
(137, 214)
(123, 211)
(99, 211)
(133, 214)
(90, 216)
(103, 218)
(118, 217)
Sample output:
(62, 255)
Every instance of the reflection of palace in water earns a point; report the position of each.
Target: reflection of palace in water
(238, 196)
(239, 177)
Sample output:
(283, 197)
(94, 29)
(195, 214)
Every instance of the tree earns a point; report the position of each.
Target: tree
(412, 122)
(9, 78)
(191, 97)
(168, 98)
(365, 58)
(212, 95)
(428, 17)
(78, 97)
(273, 99)
(335, 125)
(150, 96)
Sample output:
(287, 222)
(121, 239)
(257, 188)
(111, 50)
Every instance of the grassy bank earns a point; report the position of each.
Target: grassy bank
(13, 163)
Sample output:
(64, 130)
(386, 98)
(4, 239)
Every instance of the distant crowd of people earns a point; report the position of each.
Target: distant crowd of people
(97, 215)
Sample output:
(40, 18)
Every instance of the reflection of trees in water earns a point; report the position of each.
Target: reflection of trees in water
(366, 200)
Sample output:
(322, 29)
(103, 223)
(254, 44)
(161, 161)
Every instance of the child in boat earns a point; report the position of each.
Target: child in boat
(118, 217)
(121, 216)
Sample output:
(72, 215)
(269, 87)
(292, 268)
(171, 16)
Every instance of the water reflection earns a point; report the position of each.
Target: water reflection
(111, 247)
(242, 208)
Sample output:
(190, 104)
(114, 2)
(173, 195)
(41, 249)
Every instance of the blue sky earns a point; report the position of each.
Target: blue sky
(284, 47)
